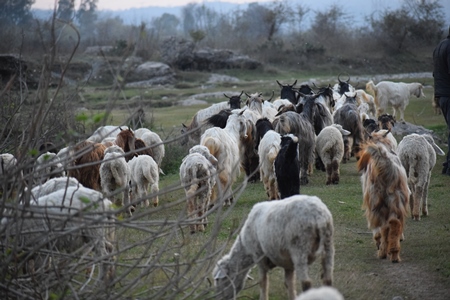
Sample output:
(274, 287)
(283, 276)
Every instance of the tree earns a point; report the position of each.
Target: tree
(66, 9)
(415, 23)
(15, 12)
(166, 25)
(86, 17)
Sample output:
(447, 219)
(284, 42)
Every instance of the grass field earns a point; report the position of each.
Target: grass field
(424, 272)
(157, 257)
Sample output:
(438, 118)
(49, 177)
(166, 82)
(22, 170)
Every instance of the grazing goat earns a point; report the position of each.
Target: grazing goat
(395, 94)
(198, 177)
(152, 141)
(418, 155)
(53, 185)
(330, 150)
(192, 133)
(115, 175)
(47, 166)
(289, 233)
(86, 159)
(287, 167)
(144, 174)
(268, 151)
(67, 220)
(224, 145)
(348, 117)
(385, 197)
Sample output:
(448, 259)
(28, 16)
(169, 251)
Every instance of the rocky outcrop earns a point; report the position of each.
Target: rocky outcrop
(182, 55)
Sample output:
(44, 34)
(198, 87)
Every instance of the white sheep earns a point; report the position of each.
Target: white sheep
(144, 174)
(69, 220)
(115, 175)
(418, 155)
(288, 233)
(321, 293)
(330, 149)
(395, 94)
(197, 174)
(53, 185)
(268, 150)
(48, 165)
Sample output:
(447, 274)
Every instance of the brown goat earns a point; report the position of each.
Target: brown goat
(385, 197)
(87, 159)
(126, 140)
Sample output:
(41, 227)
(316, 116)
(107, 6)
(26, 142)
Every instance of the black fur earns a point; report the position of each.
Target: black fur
(287, 168)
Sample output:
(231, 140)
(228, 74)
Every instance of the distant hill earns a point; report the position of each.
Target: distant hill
(356, 10)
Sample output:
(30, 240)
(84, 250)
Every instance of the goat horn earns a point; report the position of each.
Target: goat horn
(294, 82)
(247, 95)
(226, 96)
(273, 93)
(241, 94)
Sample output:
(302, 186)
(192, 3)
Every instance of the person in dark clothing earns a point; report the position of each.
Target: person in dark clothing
(441, 75)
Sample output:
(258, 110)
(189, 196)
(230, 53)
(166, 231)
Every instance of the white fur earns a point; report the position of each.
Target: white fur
(395, 94)
(144, 175)
(418, 155)
(224, 145)
(115, 175)
(105, 131)
(288, 233)
(268, 150)
(197, 175)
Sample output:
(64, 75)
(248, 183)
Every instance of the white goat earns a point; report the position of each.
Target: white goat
(330, 149)
(153, 140)
(53, 185)
(105, 131)
(144, 173)
(290, 234)
(192, 133)
(47, 166)
(418, 155)
(224, 145)
(115, 175)
(67, 220)
(395, 94)
(197, 174)
(362, 97)
(268, 150)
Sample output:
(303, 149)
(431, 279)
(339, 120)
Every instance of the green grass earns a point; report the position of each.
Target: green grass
(170, 251)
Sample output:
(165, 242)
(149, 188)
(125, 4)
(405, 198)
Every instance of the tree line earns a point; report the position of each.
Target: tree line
(273, 32)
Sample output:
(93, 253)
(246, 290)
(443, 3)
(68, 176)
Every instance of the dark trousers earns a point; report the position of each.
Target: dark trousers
(444, 104)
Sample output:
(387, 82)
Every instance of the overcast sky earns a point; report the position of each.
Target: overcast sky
(124, 4)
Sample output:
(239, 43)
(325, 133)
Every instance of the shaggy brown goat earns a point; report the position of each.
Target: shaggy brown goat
(386, 196)
(87, 159)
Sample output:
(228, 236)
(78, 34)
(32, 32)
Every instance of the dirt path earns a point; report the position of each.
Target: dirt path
(418, 281)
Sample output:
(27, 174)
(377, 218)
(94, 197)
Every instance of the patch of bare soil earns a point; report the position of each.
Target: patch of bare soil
(416, 280)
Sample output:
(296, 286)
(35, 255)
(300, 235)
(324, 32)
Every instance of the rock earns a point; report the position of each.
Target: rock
(181, 54)
(151, 69)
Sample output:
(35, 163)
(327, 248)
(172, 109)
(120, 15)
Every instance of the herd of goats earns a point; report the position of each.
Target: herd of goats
(275, 141)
